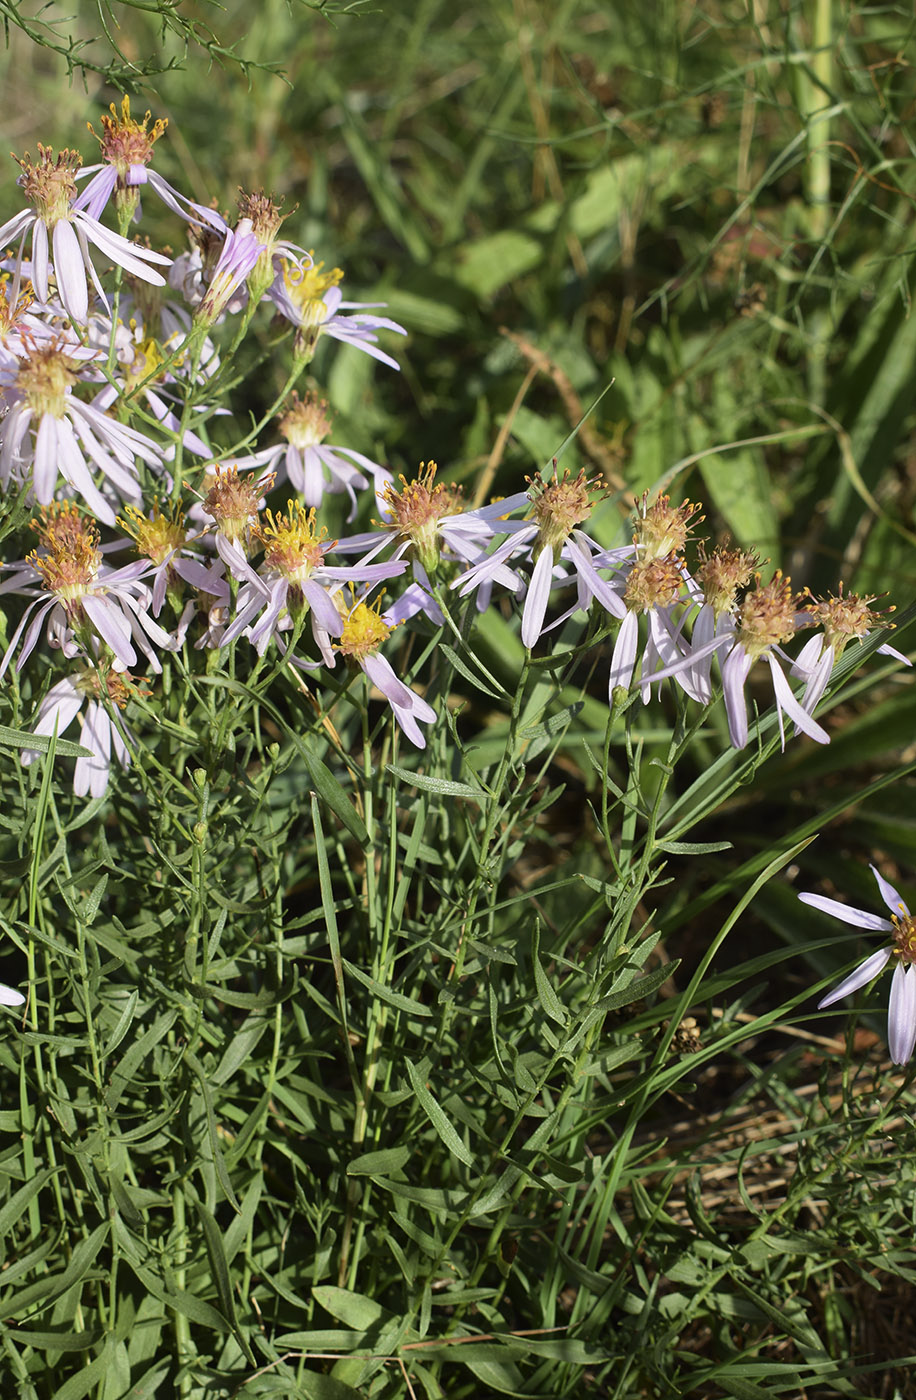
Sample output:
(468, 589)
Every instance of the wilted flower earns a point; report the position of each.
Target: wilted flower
(901, 1019)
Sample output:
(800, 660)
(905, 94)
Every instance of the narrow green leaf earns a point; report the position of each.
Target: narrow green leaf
(353, 1309)
(388, 1159)
(220, 1271)
(434, 1112)
(17, 1203)
(444, 787)
(551, 1004)
(387, 994)
(22, 739)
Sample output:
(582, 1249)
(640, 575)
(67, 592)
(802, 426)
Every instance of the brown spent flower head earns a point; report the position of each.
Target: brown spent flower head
(843, 618)
(306, 422)
(723, 574)
(124, 141)
(653, 583)
(293, 545)
(44, 377)
(364, 630)
(157, 535)
(559, 505)
(661, 528)
(118, 686)
(418, 507)
(767, 615)
(264, 214)
(233, 500)
(71, 563)
(49, 186)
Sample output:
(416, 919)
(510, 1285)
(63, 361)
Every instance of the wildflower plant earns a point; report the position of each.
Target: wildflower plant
(339, 1065)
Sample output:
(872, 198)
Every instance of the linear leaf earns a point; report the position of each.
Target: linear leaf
(435, 1113)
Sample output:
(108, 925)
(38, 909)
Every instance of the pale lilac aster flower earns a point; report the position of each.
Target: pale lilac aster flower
(363, 632)
(313, 302)
(426, 522)
(293, 579)
(767, 616)
(9, 996)
(311, 465)
(843, 617)
(552, 540)
(239, 254)
(127, 149)
(51, 432)
(901, 1020)
(59, 228)
(99, 730)
(89, 602)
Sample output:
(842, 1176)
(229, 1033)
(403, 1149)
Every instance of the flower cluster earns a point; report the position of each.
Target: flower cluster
(154, 543)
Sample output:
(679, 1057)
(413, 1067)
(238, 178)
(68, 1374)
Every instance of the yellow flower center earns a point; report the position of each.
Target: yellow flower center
(145, 367)
(363, 631)
(306, 287)
(44, 378)
(157, 535)
(905, 936)
(292, 543)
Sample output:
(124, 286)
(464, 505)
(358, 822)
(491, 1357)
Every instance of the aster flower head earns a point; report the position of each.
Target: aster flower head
(100, 731)
(294, 546)
(559, 505)
(18, 324)
(60, 226)
(293, 579)
(364, 631)
(654, 585)
(901, 1020)
(89, 603)
(159, 537)
(265, 219)
(72, 438)
(416, 510)
(233, 501)
(768, 616)
(127, 149)
(126, 146)
(311, 465)
(844, 617)
(240, 252)
(662, 529)
(312, 301)
(722, 576)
